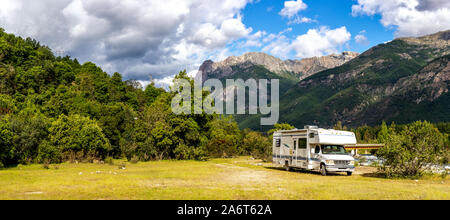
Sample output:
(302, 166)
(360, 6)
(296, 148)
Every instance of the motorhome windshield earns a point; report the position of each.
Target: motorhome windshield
(333, 149)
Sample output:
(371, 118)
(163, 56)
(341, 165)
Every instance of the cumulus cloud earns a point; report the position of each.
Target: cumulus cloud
(361, 38)
(316, 42)
(409, 17)
(321, 42)
(279, 46)
(432, 5)
(292, 8)
(291, 11)
(135, 37)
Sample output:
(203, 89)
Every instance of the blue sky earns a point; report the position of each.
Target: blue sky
(264, 15)
(158, 38)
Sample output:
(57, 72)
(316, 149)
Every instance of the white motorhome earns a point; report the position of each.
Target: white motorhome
(315, 149)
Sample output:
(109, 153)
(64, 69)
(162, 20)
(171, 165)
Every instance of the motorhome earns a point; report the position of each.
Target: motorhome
(314, 149)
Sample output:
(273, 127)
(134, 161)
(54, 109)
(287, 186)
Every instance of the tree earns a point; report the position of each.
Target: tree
(30, 129)
(258, 145)
(6, 147)
(408, 152)
(339, 126)
(6, 104)
(383, 134)
(224, 137)
(77, 134)
(115, 119)
(279, 127)
(151, 93)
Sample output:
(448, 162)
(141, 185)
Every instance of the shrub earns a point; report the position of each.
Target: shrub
(48, 152)
(408, 152)
(77, 134)
(224, 137)
(6, 148)
(259, 146)
(134, 160)
(184, 152)
(46, 165)
(109, 160)
(30, 129)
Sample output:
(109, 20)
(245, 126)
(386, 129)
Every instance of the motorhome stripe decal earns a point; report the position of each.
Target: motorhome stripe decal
(292, 157)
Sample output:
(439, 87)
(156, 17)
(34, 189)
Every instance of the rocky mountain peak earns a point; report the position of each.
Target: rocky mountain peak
(300, 68)
(440, 40)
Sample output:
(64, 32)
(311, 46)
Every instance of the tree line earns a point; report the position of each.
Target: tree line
(54, 109)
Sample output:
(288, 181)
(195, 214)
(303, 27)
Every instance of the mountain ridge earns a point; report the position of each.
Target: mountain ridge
(404, 80)
(293, 69)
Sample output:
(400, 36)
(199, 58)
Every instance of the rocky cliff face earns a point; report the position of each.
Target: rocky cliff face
(294, 69)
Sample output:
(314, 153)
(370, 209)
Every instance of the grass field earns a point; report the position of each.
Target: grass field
(240, 178)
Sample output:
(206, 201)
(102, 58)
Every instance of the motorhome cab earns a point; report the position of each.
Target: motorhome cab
(314, 149)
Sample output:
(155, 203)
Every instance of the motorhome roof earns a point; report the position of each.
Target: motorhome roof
(323, 136)
(303, 130)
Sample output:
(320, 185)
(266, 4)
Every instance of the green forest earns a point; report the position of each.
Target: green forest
(54, 109)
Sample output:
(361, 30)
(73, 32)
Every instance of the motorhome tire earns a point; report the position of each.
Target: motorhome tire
(323, 170)
(349, 173)
(286, 166)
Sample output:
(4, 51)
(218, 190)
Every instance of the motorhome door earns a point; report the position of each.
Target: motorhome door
(302, 153)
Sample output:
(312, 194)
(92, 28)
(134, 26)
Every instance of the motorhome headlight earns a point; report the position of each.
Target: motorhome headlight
(352, 163)
(330, 162)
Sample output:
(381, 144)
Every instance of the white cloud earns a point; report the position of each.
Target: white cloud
(291, 11)
(134, 37)
(361, 38)
(316, 42)
(255, 40)
(321, 42)
(301, 20)
(409, 17)
(292, 8)
(279, 46)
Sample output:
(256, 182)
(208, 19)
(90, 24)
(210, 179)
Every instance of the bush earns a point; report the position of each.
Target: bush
(224, 137)
(6, 148)
(46, 165)
(77, 134)
(109, 160)
(408, 152)
(184, 152)
(259, 146)
(48, 152)
(30, 129)
(134, 160)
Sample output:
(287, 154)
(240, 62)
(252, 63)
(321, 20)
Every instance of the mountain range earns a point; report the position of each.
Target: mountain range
(400, 81)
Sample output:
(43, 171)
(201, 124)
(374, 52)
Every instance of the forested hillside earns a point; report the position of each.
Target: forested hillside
(55, 109)
(401, 81)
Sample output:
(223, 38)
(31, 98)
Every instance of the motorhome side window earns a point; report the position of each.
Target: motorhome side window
(295, 145)
(278, 142)
(311, 135)
(317, 150)
(301, 143)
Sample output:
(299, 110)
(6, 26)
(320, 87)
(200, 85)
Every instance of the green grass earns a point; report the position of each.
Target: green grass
(216, 179)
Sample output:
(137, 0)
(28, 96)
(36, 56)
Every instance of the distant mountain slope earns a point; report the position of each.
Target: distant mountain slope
(404, 80)
(290, 69)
